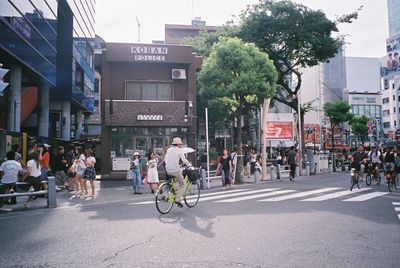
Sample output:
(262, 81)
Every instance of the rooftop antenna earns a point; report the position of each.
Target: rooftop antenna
(138, 26)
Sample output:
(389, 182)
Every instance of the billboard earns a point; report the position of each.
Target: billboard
(393, 52)
(309, 131)
(279, 130)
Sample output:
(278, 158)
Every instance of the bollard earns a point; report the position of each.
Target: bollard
(278, 172)
(297, 172)
(307, 168)
(256, 176)
(330, 167)
(51, 193)
(316, 168)
(343, 167)
(273, 173)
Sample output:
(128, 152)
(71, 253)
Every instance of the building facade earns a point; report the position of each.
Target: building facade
(394, 17)
(148, 97)
(47, 46)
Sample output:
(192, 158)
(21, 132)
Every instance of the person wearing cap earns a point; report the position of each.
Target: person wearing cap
(136, 170)
(44, 160)
(172, 157)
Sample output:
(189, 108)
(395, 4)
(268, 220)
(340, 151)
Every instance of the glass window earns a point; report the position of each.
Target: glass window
(355, 108)
(385, 100)
(361, 111)
(386, 124)
(144, 90)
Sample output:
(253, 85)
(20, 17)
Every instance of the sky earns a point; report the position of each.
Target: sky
(116, 19)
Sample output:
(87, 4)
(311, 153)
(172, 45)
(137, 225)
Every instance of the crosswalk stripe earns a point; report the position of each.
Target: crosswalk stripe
(302, 194)
(365, 197)
(336, 195)
(397, 209)
(237, 194)
(201, 195)
(398, 216)
(396, 203)
(237, 199)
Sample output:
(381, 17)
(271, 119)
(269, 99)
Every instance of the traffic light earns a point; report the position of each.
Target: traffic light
(3, 85)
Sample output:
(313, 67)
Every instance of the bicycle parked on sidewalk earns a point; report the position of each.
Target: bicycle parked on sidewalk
(166, 193)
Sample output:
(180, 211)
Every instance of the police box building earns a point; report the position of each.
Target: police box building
(148, 98)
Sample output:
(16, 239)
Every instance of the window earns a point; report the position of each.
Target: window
(386, 112)
(145, 90)
(393, 86)
(394, 109)
(399, 98)
(394, 122)
(96, 103)
(386, 84)
(394, 97)
(386, 125)
(79, 78)
(385, 100)
(97, 85)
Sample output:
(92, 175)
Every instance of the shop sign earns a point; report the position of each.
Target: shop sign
(120, 163)
(149, 117)
(147, 53)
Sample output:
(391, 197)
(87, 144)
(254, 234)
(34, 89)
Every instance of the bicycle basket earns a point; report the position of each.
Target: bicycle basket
(193, 174)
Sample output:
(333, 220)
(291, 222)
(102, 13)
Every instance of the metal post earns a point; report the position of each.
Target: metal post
(300, 133)
(208, 151)
(315, 131)
(51, 192)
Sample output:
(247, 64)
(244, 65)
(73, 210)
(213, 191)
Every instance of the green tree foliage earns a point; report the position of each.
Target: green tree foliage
(338, 112)
(236, 76)
(359, 126)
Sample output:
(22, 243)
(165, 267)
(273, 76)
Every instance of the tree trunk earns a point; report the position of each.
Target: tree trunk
(263, 140)
(239, 164)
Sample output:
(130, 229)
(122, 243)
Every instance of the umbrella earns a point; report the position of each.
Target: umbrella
(187, 150)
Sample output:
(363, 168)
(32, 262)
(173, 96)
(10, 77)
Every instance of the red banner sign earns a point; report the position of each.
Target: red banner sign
(279, 130)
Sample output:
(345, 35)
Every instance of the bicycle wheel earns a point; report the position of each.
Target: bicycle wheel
(389, 185)
(192, 194)
(378, 179)
(164, 198)
(351, 183)
(359, 182)
(368, 179)
(395, 183)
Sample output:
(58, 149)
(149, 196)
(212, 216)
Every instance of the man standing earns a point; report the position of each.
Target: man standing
(172, 157)
(9, 170)
(60, 166)
(292, 155)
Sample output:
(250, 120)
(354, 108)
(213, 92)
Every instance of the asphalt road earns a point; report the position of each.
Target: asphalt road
(313, 222)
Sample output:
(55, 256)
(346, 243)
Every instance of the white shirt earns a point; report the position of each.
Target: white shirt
(172, 157)
(35, 170)
(10, 168)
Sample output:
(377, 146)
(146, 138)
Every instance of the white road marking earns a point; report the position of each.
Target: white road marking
(254, 196)
(201, 195)
(336, 195)
(302, 194)
(399, 216)
(364, 197)
(237, 194)
(396, 203)
(397, 209)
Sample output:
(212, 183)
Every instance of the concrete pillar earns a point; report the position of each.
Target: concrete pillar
(14, 111)
(66, 120)
(44, 111)
(79, 119)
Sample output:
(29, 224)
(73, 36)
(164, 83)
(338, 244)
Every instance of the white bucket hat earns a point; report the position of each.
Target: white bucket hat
(177, 141)
(136, 154)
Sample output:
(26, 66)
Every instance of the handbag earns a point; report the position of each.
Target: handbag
(129, 175)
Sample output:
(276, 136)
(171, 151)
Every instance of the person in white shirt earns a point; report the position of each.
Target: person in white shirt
(34, 175)
(9, 172)
(90, 172)
(172, 157)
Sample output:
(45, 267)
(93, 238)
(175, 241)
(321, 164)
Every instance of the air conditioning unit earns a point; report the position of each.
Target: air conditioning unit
(178, 74)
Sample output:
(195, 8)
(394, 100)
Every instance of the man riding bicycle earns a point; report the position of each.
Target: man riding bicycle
(172, 157)
(359, 158)
(389, 160)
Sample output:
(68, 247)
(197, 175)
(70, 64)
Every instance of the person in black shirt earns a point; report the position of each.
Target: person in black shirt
(226, 165)
(60, 166)
(359, 158)
(389, 160)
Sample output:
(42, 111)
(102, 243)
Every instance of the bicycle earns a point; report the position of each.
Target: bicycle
(391, 180)
(166, 193)
(372, 173)
(355, 179)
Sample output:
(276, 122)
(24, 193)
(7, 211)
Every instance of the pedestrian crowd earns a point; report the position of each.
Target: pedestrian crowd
(72, 170)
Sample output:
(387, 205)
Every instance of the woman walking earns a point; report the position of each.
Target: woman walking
(152, 173)
(90, 172)
(226, 165)
(135, 168)
(80, 163)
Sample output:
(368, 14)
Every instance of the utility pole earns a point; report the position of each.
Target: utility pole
(138, 25)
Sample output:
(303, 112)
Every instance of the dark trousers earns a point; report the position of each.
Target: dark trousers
(292, 170)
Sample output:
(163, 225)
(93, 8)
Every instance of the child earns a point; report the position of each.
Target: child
(90, 172)
(152, 173)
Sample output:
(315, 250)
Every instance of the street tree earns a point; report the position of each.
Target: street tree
(239, 75)
(359, 126)
(295, 37)
(337, 112)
